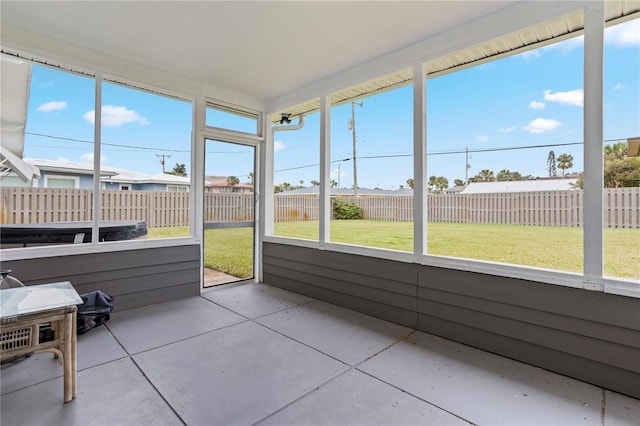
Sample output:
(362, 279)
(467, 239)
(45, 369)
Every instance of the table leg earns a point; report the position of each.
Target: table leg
(74, 352)
(67, 358)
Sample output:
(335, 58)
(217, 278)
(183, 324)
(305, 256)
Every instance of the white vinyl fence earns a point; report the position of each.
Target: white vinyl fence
(159, 209)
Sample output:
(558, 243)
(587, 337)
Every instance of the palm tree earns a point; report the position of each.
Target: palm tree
(233, 181)
(616, 151)
(565, 161)
(442, 183)
(432, 183)
(410, 182)
(485, 175)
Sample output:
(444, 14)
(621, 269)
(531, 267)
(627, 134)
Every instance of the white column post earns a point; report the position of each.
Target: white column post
(593, 138)
(196, 215)
(325, 170)
(97, 138)
(419, 159)
(265, 180)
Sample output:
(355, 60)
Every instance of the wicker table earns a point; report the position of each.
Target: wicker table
(25, 311)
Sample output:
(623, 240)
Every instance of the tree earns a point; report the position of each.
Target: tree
(431, 183)
(315, 183)
(617, 151)
(565, 162)
(251, 177)
(178, 170)
(437, 183)
(410, 182)
(485, 175)
(333, 183)
(233, 181)
(442, 183)
(505, 175)
(622, 173)
(458, 182)
(551, 163)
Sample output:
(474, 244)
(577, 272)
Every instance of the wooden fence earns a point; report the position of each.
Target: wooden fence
(159, 209)
(552, 208)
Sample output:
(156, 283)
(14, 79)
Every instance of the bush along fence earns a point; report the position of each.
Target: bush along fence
(160, 209)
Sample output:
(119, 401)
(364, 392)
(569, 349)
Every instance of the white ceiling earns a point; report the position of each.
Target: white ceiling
(261, 49)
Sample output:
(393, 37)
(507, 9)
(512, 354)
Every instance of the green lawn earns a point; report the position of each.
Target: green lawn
(231, 250)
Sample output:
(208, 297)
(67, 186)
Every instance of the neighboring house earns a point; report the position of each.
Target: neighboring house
(221, 184)
(454, 190)
(542, 184)
(69, 174)
(135, 181)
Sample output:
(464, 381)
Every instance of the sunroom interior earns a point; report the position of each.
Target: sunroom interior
(287, 65)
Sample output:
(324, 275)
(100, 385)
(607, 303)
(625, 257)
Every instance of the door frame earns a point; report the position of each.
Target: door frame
(230, 137)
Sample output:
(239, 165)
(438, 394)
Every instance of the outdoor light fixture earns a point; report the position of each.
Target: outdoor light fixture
(285, 119)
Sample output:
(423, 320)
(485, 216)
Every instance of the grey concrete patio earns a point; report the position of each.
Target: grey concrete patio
(254, 354)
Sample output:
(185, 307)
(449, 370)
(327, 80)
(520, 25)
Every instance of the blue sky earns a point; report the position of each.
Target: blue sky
(521, 101)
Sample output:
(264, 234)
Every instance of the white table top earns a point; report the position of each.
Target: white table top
(37, 298)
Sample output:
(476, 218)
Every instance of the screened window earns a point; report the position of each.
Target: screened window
(621, 171)
(372, 170)
(232, 118)
(297, 180)
(146, 139)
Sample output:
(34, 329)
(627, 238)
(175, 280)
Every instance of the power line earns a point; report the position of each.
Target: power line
(106, 143)
(463, 151)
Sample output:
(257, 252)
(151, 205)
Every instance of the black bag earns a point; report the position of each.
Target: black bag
(94, 311)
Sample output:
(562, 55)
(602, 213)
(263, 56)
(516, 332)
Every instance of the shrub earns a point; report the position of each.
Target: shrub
(346, 210)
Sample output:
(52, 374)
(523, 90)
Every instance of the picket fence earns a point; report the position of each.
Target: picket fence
(160, 209)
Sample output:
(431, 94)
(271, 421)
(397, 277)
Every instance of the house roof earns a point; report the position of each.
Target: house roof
(107, 174)
(520, 186)
(314, 190)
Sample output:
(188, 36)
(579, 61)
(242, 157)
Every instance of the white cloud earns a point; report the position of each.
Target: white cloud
(537, 105)
(115, 116)
(47, 84)
(278, 146)
(541, 125)
(88, 158)
(623, 35)
(572, 97)
(52, 106)
(482, 138)
(618, 86)
(531, 54)
(508, 129)
(64, 159)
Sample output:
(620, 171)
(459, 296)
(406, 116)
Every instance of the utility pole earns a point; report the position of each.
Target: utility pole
(466, 169)
(352, 124)
(339, 172)
(162, 156)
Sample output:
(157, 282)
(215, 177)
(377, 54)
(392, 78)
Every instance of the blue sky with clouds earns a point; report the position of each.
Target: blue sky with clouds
(530, 99)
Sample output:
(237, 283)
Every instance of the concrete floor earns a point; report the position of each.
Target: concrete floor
(254, 354)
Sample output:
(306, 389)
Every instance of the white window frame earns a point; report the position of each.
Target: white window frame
(592, 276)
(75, 179)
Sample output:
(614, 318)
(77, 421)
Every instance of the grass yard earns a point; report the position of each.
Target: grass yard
(231, 250)
(227, 250)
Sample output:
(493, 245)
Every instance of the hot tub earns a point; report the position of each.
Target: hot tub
(38, 234)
